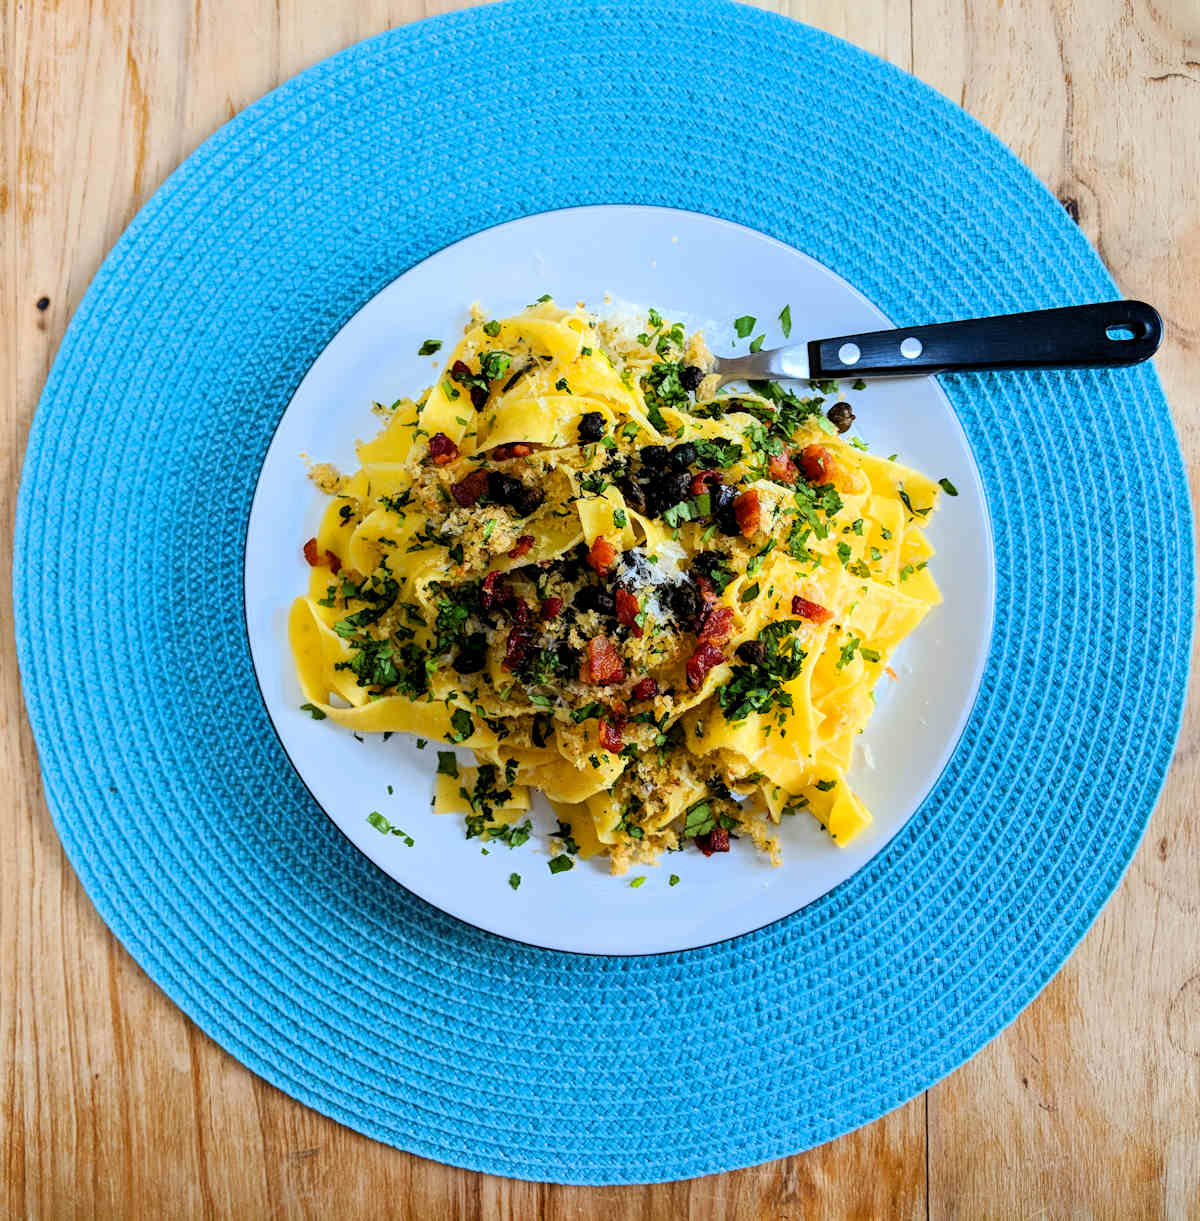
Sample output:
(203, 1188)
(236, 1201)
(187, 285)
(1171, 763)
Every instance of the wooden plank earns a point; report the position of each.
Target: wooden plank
(1089, 1105)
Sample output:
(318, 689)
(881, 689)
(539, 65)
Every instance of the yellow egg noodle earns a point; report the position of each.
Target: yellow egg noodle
(665, 608)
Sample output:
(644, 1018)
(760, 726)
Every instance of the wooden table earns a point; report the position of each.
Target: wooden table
(113, 1105)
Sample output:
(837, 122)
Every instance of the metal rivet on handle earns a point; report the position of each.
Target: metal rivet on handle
(849, 353)
(911, 348)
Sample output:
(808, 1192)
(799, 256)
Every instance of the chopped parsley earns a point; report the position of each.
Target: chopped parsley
(429, 347)
(744, 325)
(785, 321)
(848, 651)
(384, 827)
(636, 882)
(717, 452)
(756, 343)
(493, 365)
(514, 880)
(492, 328)
(313, 711)
(462, 724)
(759, 688)
(560, 864)
(947, 486)
(826, 785)
(673, 880)
(908, 504)
(699, 819)
(662, 388)
(447, 764)
(563, 833)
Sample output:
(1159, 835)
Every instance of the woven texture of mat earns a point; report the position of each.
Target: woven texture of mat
(202, 849)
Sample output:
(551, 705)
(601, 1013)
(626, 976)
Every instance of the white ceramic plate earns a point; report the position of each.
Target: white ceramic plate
(706, 272)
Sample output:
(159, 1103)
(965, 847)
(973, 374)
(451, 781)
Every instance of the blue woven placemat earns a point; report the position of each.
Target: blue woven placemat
(204, 852)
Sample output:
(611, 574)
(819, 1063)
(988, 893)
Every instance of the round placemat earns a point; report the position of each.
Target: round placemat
(190, 830)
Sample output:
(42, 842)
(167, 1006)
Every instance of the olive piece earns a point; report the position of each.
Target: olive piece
(594, 598)
(591, 426)
(528, 500)
(479, 397)
(682, 456)
(676, 488)
(721, 496)
(841, 416)
(691, 377)
(752, 652)
(472, 657)
(654, 456)
(684, 602)
(707, 562)
(635, 498)
(503, 489)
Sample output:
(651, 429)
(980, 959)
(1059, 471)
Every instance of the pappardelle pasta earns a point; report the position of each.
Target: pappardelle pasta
(665, 608)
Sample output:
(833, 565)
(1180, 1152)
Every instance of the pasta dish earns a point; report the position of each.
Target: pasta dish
(664, 606)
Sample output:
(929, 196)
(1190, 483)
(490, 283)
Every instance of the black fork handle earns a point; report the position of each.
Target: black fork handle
(1107, 335)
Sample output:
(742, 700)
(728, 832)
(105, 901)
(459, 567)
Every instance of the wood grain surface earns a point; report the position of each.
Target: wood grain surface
(113, 1105)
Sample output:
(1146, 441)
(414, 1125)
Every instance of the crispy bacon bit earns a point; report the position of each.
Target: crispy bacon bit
(700, 662)
(551, 608)
(442, 449)
(611, 733)
(716, 626)
(523, 546)
(603, 663)
(494, 592)
(647, 689)
(515, 449)
(316, 558)
(781, 468)
(467, 491)
(817, 464)
(601, 555)
(748, 512)
(520, 638)
(716, 840)
(708, 591)
(810, 610)
(703, 480)
(628, 610)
